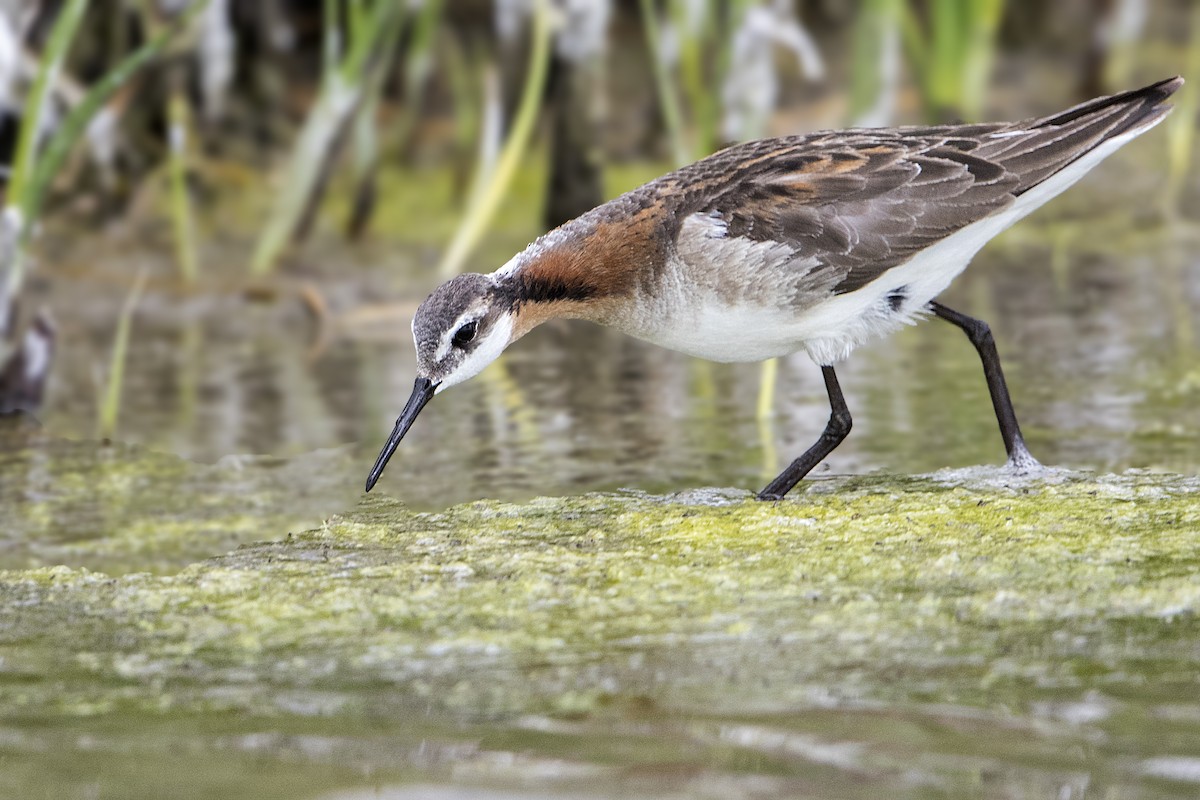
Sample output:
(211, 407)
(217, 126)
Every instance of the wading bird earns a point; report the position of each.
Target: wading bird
(816, 243)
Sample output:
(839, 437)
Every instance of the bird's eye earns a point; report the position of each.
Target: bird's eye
(464, 335)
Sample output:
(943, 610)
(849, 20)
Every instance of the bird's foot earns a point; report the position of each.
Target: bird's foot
(1021, 461)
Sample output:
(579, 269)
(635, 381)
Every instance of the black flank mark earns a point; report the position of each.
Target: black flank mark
(897, 297)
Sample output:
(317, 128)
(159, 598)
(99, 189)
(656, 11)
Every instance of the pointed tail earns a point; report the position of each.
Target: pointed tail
(1037, 149)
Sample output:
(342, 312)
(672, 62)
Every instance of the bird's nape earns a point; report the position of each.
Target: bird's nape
(422, 393)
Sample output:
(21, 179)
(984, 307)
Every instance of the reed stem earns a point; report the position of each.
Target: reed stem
(668, 99)
(110, 408)
(486, 201)
(342, 90)
(22, 184)
(181, 204)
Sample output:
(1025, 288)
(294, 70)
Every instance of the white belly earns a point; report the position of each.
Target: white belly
(720, 332)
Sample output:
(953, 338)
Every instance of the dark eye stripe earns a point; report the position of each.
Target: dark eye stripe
(464, 335)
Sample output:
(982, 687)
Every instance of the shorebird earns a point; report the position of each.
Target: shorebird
(816, 242)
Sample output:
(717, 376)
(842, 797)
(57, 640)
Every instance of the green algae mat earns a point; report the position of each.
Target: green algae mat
(963, 634)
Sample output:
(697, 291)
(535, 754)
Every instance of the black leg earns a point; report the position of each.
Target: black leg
(835, 431)
(981, 336)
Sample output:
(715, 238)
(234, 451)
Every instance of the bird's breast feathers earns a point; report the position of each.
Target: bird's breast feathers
(731, 298)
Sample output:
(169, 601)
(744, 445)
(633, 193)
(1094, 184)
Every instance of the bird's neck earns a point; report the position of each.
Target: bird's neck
(578, 271)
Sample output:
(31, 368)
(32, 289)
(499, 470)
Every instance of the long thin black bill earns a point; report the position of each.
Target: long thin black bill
(422, 393)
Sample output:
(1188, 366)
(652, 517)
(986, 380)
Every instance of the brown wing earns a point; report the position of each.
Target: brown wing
(864, 201)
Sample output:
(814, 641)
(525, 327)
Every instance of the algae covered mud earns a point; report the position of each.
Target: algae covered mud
(961, 634)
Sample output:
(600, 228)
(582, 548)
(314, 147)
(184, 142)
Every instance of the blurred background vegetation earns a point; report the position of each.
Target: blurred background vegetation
(341, 157)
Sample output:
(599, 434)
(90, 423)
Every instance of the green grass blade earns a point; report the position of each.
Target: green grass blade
(978, 55)
(876, 21)
(331, 41)
(110, 408)
(1181, 125)
(21, 195)
(668, 98)
(25, 160)
(375, 30)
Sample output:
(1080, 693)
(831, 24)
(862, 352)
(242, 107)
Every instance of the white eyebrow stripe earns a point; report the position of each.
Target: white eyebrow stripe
(448, 337)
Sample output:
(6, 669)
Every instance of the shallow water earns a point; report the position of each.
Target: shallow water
(968, 634)
(1093, 310)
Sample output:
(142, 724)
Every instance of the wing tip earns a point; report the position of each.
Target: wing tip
(1164, 88)
(1149, 100)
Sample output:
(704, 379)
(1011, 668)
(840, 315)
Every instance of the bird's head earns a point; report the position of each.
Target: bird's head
(461, 328)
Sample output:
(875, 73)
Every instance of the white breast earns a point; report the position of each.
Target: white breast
(719, 296)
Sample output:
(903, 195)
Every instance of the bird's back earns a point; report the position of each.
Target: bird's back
(799, 225)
